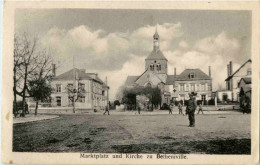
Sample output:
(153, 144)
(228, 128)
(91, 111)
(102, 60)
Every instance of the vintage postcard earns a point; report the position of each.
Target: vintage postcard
(130, 82)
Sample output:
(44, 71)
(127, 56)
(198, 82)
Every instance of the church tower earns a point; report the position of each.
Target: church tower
(156, 42)
(156, 62)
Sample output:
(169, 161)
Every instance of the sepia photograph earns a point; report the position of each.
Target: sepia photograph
(128, 82)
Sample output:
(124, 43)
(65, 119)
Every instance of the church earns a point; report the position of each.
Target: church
(173, 87)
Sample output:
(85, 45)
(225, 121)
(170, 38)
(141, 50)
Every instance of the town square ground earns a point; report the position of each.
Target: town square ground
(128, 132)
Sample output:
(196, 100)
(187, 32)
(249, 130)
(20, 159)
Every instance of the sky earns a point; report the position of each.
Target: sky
(115, 43)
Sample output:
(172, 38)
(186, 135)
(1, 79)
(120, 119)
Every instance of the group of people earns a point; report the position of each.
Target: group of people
(190, 108)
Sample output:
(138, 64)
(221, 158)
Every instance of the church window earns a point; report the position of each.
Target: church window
(151, 67)
(154, 61)
(149, 84)
(158, 67)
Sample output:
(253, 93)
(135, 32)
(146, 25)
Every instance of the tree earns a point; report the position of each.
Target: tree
(40, 91)
(75, 91)
(153, 94)
(30, 65)
(116, 102)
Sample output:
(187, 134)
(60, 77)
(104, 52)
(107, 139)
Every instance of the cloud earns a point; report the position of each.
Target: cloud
(210, 51)
(95, 49)
(219, 45)
(183, 44)
(118, 55)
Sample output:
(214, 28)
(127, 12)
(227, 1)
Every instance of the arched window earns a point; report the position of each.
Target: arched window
(158, 67)
(152, 67)
(149, 84)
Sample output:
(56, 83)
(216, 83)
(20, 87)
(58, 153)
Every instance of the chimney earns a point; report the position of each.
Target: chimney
(209, 71)
(227, 69)
(53, 70)
(174, 71)
(231, 68)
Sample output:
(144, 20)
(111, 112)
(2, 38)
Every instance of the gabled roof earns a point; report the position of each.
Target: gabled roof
(131, 80)
(156, 54)
(247, 80)
(238, 69)
(170, 79)
(69, 75)
(199, 75)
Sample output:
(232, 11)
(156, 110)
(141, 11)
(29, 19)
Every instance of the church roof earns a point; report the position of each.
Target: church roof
(156, 35)
(156, 54)
(131, 80)
(170, 79)
(199, 75)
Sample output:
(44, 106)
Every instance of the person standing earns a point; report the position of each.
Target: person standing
(180, 108)
(170, 108)
(200, 109)
(190, 109)
(106, 111)
(139, 110)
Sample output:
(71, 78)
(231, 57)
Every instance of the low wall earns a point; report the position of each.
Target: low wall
(60, 110)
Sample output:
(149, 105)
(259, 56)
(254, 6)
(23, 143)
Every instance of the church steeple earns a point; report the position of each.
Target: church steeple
(156, 62)
(156, 38)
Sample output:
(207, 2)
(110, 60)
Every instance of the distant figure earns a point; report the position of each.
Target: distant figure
(200, 109)
(26, 108)
(180, 108)
(106, 111)
(139, 110)
(190, 109)
(171, 108)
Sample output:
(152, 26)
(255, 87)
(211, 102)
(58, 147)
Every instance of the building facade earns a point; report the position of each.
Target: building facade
(89, 91)
(192, 80)
(231, 93)
(173, 87)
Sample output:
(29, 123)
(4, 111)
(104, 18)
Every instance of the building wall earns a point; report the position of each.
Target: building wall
(149, 77)
(246, 87)
(163, 64)
(95, 94)
(235, 80)
(183, 88)
(221, 93)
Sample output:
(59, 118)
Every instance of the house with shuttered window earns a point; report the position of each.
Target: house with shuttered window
(93, 91)
(192, 80)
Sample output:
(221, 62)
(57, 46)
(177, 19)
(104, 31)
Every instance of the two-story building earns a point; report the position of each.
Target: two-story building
(192, 80)
(231, 93)
(89, 90)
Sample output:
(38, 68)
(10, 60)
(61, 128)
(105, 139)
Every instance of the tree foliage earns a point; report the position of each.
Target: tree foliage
(153, 94)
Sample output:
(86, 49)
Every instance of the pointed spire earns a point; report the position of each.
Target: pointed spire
(156, 35)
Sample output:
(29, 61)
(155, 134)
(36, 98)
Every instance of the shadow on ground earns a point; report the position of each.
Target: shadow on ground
(229, 146)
